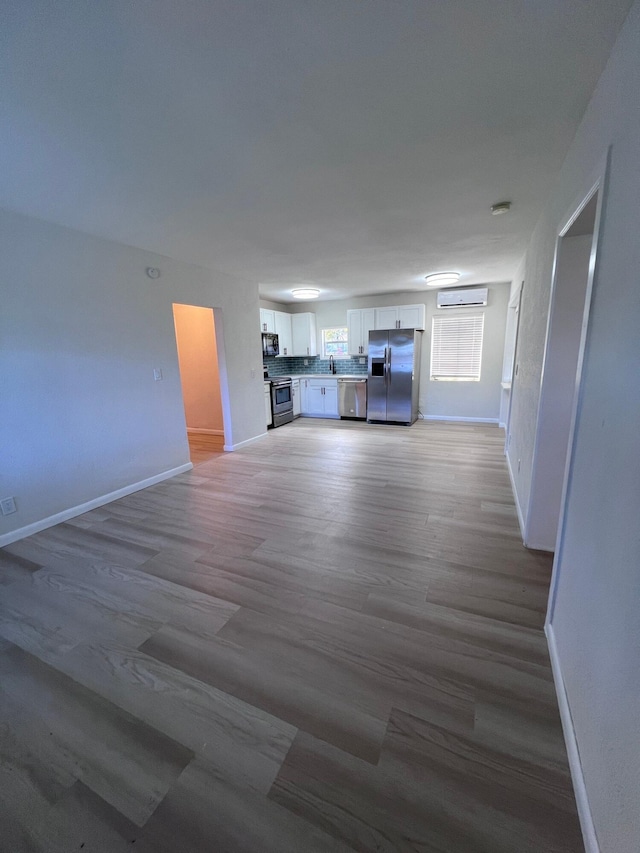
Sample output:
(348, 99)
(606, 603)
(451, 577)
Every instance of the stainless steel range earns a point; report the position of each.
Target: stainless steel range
(281, 400)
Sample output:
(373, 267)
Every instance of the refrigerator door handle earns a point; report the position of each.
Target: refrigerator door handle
(389, 364)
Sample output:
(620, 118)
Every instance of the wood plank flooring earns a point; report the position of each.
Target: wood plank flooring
(203, 447)
(330, 640)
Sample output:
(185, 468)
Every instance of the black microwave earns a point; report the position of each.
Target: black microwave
(270, 344)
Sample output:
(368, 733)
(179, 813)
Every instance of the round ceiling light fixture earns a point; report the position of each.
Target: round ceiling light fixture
(500, 208)
(305, 293)
(442, 279)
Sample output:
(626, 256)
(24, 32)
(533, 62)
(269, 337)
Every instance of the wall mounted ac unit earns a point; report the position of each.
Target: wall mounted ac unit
(472, 297)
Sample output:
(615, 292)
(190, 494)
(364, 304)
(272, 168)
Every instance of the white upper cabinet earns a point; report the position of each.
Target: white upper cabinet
(303, 329)
(411, 316)
(400, 317)
(267, 320)
(283, 331)
(386, 318)
(360, 321)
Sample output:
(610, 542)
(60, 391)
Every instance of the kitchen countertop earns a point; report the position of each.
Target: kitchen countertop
(328, 375)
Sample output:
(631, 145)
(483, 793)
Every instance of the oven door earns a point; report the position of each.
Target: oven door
(281, 398)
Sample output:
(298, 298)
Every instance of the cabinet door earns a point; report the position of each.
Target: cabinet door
(304, 396)
(295, 395)
(267, 320)
(331, 399)
(411, 316)
(386, 318)
(315, 399)
(303, 328)
(368, 325)
(283, 331)
(354, 331)
(267, 405)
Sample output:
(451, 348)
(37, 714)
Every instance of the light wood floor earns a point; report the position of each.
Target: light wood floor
(203, 448)
(330, 640)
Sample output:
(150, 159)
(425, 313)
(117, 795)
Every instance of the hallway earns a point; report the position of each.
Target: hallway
(329, 640)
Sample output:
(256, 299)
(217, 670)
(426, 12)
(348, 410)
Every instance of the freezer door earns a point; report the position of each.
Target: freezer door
(377, 376)
(400, 375)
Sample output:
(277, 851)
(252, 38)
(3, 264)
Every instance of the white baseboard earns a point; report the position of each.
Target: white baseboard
(245, 442)
(582, 801)
(535, 546)
(515, 497)
(199, 431)
(461, 420)
(72, 512)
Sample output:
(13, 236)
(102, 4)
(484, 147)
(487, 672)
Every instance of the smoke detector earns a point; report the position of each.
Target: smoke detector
(500, 208)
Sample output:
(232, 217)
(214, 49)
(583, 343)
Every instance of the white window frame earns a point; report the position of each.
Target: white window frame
(323, 353)
(456, 347)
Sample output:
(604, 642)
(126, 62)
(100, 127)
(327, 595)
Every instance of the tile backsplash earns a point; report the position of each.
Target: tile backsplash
(286, 366)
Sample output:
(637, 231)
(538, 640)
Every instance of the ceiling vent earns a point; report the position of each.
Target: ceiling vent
(469, 298)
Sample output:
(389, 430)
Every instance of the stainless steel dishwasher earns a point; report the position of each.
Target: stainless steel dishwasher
(352, 398)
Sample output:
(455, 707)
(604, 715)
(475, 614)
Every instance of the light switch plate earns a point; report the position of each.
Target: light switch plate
(7, 506)
(157, 373)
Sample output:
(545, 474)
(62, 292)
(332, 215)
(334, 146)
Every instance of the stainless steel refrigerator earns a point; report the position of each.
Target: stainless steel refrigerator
(394, 375)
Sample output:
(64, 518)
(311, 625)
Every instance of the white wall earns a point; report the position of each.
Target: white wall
(198, 363)
(595, 624)
(481, 399)
(82, 328)
(473, 400)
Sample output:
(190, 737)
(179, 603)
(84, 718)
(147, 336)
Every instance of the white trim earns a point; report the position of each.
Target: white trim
(245, 442)
(72, 512)
(534, 546)
(196, 431)
(462, 420)
(502, 425)
(515, 497)
(573, 753)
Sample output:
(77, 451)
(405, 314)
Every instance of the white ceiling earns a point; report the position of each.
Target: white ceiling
(354, 145)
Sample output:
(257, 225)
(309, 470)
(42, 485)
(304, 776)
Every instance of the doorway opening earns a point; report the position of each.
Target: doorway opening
(197, 347)
(561, 372)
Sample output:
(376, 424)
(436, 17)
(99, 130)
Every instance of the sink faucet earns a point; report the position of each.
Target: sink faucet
(332, 365)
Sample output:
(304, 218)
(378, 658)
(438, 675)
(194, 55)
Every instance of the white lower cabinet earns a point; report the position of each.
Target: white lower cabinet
(319, 397)
(267, 403)
(295, 396)
(304, 396)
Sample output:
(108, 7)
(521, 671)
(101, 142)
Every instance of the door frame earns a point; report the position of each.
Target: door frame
(597, 184)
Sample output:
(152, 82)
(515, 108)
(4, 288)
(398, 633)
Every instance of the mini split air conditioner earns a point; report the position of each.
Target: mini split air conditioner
(469, 298)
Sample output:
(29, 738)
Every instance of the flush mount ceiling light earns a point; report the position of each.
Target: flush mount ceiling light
(500, 207)
(305, 293)
(442, 279)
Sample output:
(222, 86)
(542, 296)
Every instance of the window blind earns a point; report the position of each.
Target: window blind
(456, 347)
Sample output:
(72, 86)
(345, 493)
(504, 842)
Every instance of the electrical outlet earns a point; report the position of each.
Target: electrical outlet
(306, 362)
(363, 361)
(7, 506)
(519, 461)
(157, 374)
